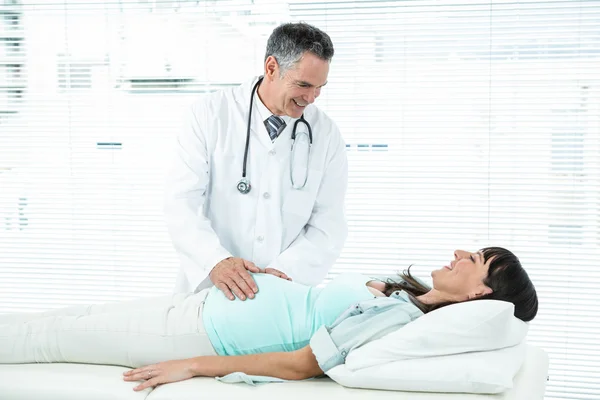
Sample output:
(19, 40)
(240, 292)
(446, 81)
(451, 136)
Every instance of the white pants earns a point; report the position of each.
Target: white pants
(130, 334)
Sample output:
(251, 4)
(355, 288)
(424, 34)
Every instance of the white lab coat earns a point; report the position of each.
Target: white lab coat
(300, 232)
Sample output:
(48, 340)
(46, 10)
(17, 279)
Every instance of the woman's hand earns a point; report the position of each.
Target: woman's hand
(157, 374)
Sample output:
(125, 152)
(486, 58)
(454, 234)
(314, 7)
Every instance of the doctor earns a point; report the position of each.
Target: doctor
(260, 175)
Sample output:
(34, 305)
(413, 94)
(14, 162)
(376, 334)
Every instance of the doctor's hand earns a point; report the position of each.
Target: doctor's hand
(231, 275)
(276, 272)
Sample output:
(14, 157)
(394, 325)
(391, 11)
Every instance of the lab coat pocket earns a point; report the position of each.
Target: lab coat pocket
(298, 206)
(300, 202)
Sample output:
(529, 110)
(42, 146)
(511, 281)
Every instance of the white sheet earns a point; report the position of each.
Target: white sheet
(92, 382)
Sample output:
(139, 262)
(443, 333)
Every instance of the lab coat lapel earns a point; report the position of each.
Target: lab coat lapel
(258, 132)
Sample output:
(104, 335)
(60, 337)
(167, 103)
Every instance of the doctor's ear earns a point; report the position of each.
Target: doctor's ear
(271, 67)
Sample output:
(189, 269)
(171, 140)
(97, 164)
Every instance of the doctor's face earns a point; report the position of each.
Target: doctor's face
(300, 85)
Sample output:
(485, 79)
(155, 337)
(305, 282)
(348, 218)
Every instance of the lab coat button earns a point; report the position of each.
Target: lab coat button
(260, 238)
(272, 152)
(266, 195)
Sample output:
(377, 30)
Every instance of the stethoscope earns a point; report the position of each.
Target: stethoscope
(243, 186)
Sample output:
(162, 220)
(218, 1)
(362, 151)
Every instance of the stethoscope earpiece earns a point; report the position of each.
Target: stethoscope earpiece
(243, 186)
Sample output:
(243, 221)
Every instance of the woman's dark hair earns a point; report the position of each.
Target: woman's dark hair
(506, 277)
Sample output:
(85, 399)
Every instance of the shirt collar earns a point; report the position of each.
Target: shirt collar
(400, 295)
(265, 113)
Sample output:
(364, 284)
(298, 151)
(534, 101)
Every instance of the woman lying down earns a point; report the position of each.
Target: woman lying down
(288, 330)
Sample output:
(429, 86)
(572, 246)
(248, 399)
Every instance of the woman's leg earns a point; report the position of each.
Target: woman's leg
(132, 338)
(136, 304)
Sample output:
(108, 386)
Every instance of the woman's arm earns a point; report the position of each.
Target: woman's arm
(377, 288)
(294, 365)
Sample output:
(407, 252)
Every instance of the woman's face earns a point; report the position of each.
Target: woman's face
(462, 279)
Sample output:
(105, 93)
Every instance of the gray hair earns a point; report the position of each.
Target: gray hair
(290, 41)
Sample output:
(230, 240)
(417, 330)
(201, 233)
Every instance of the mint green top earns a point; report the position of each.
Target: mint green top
(283, 316)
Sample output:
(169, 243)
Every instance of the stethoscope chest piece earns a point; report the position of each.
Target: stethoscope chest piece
(243, 186)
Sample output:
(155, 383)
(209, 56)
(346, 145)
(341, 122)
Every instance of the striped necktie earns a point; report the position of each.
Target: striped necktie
(275, 125)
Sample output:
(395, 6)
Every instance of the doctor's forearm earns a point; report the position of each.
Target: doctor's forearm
(192, 235)
(191, 232)
(293, 365)
(311, 255)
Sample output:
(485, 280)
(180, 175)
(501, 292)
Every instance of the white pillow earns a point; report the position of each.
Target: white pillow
(479, 325)
(471, 347)
(485, 372)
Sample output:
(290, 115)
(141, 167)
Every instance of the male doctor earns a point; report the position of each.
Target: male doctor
(247, 191)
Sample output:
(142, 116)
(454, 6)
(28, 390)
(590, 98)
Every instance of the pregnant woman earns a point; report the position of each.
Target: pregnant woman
(288, 330)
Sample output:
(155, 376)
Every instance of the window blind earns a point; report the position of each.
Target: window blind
(468, 124)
